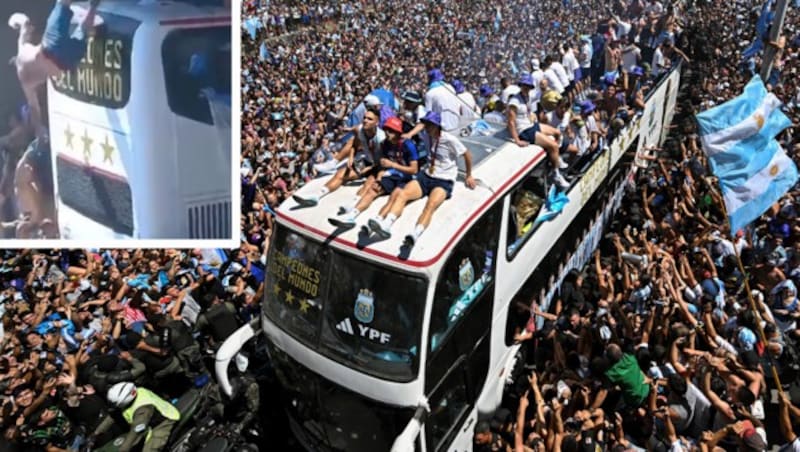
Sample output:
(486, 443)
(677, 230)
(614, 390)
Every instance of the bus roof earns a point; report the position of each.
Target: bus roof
(166, 12)
(497, 165)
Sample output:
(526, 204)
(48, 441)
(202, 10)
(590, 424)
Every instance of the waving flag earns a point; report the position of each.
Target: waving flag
(739, 139)
(762, 28)
(263, 53)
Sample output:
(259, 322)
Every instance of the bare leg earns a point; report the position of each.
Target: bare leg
(550, 145)
(370, 193)
(29, 196)
(435, 199)
(386, 207)
(410, 192)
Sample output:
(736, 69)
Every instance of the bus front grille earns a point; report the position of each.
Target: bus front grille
(100, 196)
(210, 221)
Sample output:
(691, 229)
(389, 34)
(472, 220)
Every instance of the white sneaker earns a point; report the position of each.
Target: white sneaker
(560, 180)
(306, 201)
(562, 164)
(379, 227)
(343, 220)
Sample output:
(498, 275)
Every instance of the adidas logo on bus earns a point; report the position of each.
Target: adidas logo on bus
(345, 326)
(363, 331)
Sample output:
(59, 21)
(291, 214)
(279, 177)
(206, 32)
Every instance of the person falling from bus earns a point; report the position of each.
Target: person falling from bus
(58, 51)
(525, 131)
(364, 144)
(398, 164)
(435, 181)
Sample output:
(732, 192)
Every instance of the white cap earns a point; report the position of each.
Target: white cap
(372, 100)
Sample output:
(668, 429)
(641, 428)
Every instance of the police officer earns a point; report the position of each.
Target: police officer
(148, 415)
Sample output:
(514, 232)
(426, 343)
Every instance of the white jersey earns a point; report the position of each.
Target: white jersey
(441, 98)
(570, 63)
(524, 110)
(561, 72)
(469, 107)
(443, 156)
(553, 80)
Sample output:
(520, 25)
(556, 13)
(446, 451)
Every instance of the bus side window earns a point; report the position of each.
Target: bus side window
(469, 271)
(526, 203)
(196, 60)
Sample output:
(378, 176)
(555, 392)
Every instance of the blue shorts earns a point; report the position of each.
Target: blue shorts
(64, 49)
(577, 74)
(390, 182)
(529, 134)
(427, 184)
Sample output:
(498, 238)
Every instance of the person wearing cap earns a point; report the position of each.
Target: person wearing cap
(484, 94)
(370, 102)
(441, 98)
(412, 109)
(524, 130)
(596, 132)
(398, 164)
(435, 181)
(469, 108)
(365, 144)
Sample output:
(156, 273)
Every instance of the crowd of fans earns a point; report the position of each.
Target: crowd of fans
(75, 323)
(653, 347)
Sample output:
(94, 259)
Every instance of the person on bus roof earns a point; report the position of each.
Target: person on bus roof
(435, 181)
(398, 165)
(362, 152)
(59, 51)
(525, 130)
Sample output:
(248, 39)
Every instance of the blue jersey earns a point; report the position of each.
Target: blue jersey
(403, 153)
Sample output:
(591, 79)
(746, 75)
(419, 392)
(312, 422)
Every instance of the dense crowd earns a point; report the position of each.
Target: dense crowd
(654, 346)
(77, 323)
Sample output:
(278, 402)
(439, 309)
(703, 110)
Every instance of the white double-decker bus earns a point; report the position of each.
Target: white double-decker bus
(140, 130)
(378, 347)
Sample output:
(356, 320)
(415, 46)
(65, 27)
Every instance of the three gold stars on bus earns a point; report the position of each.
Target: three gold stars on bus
(106, 146)
(290, 299)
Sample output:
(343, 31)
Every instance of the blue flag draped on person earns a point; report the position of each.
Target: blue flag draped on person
(739, 139)
(263, 53)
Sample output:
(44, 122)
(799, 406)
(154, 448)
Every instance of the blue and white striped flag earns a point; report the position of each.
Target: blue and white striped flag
(739, 139)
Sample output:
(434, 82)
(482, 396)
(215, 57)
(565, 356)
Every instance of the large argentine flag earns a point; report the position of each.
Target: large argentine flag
(739, 139)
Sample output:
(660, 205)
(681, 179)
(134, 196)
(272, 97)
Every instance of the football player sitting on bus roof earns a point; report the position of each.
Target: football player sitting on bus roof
(362, 152)
(398, 164)
(60, 50)
(525, 131)
(434, 181)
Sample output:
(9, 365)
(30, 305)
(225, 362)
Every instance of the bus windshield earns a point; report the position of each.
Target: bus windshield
(103, 76)
(362, 315)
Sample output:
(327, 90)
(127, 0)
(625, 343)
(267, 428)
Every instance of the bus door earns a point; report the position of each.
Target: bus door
(460, 336)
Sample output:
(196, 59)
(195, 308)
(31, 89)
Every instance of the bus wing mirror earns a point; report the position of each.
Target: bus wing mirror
(229, 349)
(405, 442)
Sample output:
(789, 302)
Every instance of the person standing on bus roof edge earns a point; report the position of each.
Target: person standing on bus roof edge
(435, 181)
(398, 165)
(364, 143)
(59, 51)
(524, 131)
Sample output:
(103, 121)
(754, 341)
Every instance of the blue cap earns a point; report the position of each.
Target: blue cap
(432, 117)
(747, 339)
(637, 71)
(458, 86)
(587, 107)
(435, 75)
(526, 80)
(486, 91)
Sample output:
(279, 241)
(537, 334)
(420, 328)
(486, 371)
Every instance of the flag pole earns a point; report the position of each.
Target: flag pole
(774, 35)
(753, 307)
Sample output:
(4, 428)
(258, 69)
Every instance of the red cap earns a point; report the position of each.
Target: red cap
(394, 124)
